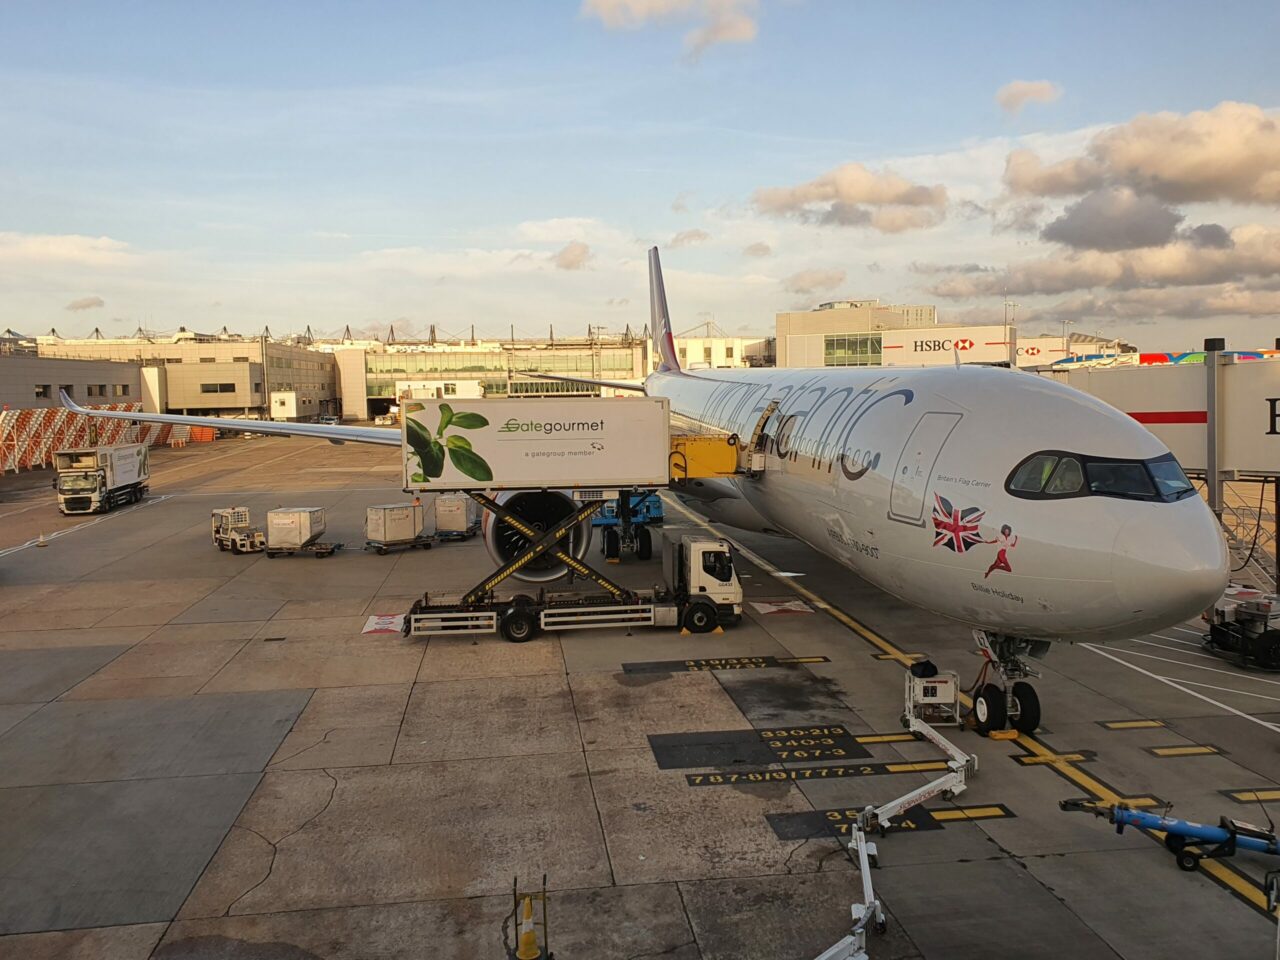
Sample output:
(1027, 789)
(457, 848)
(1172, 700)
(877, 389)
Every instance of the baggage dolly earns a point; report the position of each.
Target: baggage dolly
(383, 546)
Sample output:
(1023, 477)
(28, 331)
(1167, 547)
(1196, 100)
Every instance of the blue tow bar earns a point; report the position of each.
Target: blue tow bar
(1222, 841)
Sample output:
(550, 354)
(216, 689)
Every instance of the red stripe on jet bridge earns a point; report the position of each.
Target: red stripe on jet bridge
(1172, 416)
(997, 343)
(892, 346)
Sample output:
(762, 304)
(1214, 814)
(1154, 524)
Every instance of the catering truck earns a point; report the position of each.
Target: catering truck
(99, 479)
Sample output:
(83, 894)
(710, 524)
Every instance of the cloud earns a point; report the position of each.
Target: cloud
(932, 268)
(813, 281)
(573, 256)
(1254, 252)
(717, 21)
(1114, 218)
(1208, 235)
(617, 301)
(758, 249)
(1219, 300)
(689, 238)
(681, 203)
(86, 303)
(63, 249)
(1229, 153)
(1018, 217)
(852, 195)
(1012, 97)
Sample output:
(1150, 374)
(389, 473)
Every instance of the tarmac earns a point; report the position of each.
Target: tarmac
(207, 756)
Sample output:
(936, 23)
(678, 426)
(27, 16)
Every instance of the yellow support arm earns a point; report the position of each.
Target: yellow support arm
(701, 456)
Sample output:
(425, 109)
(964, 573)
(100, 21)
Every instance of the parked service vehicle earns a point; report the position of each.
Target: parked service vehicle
(232, 530)
(293, 530)
(329, 420)
(99, 479)
(702, 591)
(393, 525)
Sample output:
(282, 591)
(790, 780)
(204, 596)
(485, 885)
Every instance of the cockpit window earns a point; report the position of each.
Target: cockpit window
(1067, 479)
(1171, 482)
(1120, 480)
(1052, 474)
(1031, 476)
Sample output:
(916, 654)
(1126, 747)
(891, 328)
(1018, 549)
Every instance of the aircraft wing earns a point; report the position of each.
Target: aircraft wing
(615, 384)
(387, 436)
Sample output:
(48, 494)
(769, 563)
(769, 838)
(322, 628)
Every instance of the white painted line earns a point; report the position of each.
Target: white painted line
(1196, 666)
(1243, 693)
(1178, 686)
(1189, 643)
(1194, 633)
(1185, 653)
(81, 526)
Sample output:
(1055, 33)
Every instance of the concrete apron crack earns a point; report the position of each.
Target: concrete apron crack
(275, 847)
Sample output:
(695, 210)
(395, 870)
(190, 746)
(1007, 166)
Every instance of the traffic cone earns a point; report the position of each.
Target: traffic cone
(42, 542)
(527, 946)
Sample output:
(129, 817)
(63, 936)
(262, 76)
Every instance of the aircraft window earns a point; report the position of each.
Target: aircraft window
(1170, 480)
(1120, 480)
(1031, 476)
(1068, 478)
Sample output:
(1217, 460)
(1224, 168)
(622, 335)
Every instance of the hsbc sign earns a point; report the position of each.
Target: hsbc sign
(929, 346)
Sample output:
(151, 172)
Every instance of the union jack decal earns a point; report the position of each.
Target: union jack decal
(957, 530)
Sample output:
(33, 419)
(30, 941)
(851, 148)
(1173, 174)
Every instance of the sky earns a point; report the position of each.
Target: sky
(1108, 168)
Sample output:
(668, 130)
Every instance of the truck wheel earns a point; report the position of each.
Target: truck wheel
(382, 551)
(699, 618)
(235, 548)
(518, 625)
(612, 544)
(223, 546)
(644, 544)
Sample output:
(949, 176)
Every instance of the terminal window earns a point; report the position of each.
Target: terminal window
(852, 350)
(120, 390)
(44, 391)
(96, 389)
(217, 388)
(68, 389)
(450, 389)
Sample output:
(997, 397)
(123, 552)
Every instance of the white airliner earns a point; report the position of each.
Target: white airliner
(1008, 502)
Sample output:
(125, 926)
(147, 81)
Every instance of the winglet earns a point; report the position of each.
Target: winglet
(660, 317)
(68, 402)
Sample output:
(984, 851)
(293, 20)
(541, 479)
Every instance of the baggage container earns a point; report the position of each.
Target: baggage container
(292, 528)
(457, 516)
(392, 523)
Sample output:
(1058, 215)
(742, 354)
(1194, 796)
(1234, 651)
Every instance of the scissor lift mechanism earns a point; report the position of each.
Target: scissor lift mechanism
(935, 696)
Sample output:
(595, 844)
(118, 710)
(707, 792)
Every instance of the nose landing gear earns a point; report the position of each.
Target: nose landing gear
(1010, 700)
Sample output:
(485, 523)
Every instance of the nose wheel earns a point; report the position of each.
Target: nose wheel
(1008, 701)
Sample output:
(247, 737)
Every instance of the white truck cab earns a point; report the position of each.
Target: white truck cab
(699, 570)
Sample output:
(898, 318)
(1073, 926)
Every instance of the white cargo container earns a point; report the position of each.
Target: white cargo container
(398, 525)
(98, 479)
(504, 444)
(457, 516)
(292, 528)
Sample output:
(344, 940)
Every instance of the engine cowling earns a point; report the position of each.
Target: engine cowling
(541, 510)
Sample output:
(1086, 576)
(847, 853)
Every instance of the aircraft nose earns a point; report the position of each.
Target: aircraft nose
(1170, 564)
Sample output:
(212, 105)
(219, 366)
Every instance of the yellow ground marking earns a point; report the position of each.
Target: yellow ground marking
(803, 660)
(1132, 724)
(916, 767)
(1239, 884)
(885, 738)
(1055, 758)
(1192, 751)
(969, 813)
(1254, 796)
(889, 656)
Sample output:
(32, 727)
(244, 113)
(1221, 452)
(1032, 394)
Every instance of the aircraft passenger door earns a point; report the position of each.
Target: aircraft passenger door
(915, 466)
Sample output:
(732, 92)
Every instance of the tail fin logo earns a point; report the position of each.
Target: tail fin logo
(660, 317)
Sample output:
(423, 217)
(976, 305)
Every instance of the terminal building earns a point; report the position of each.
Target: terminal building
(220, 374)
(865, 333)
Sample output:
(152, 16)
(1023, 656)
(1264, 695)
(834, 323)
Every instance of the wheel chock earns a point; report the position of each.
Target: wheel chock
(1003, 735)
(718, 629)
(527, 947)
(685, 632)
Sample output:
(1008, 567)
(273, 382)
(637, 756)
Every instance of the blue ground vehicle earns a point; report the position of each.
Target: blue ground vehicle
(625, 525)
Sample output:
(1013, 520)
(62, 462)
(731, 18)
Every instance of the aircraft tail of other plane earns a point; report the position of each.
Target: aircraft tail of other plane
(660, 318)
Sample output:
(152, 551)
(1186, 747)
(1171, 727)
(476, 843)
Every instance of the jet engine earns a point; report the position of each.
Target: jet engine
(541, 510)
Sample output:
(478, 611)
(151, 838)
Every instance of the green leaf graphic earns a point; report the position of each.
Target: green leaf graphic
(446, 415)
(469, 421)
(432, 459)
(460, 443)
(470, 463)
(417, 478)
(417, 435)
